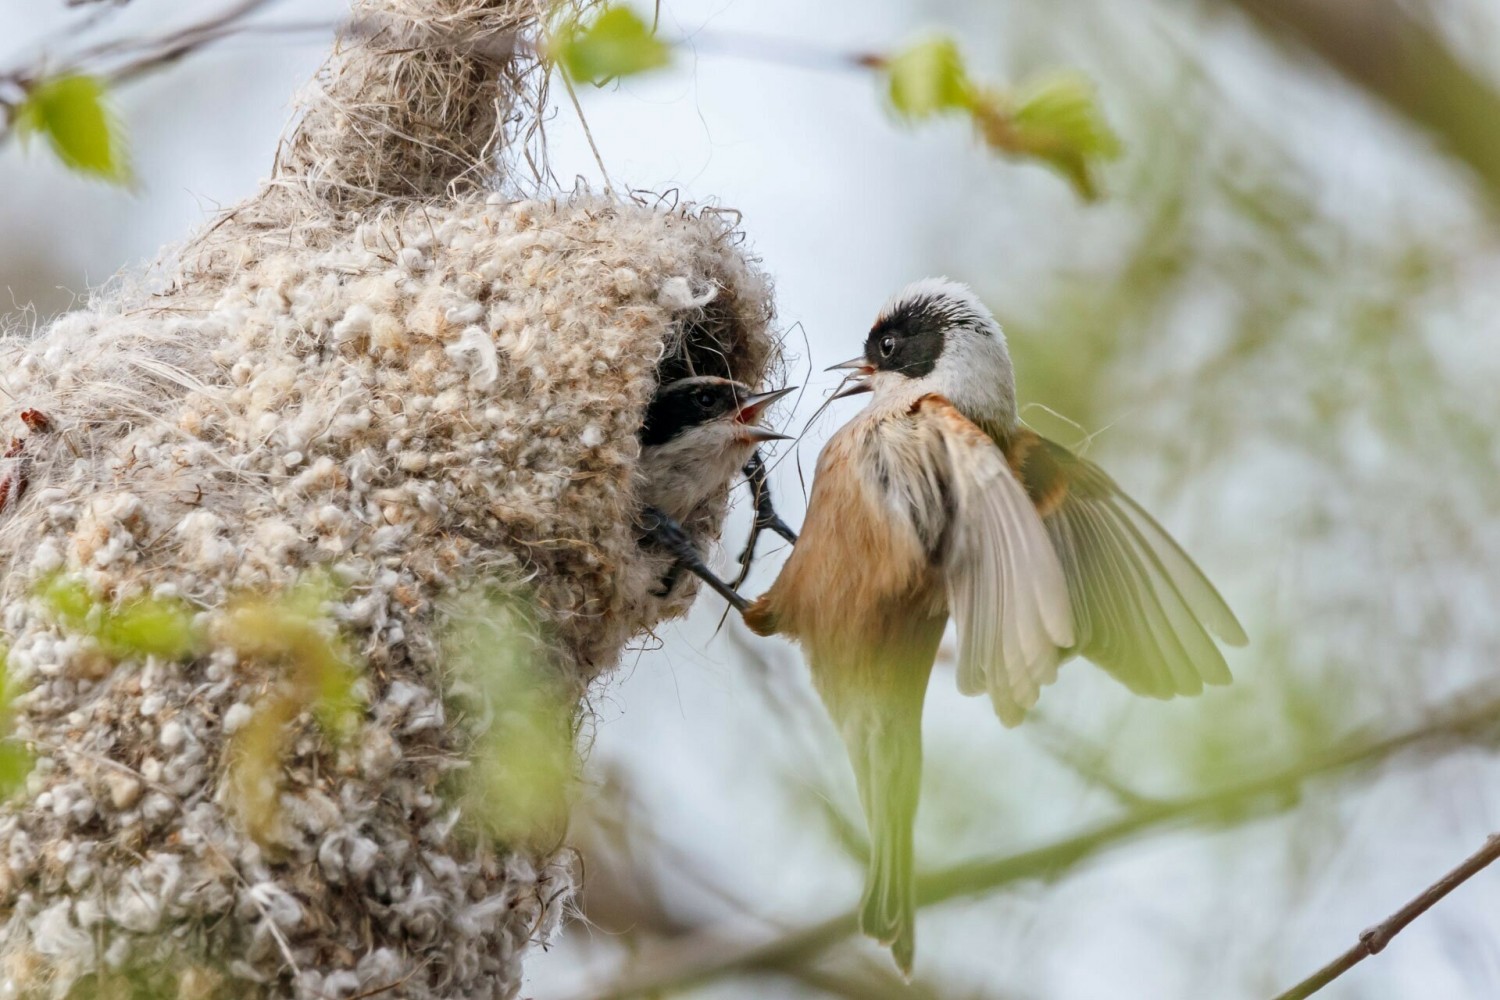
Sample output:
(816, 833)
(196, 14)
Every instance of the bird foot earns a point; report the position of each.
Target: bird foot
(669, 536)
(766, 517)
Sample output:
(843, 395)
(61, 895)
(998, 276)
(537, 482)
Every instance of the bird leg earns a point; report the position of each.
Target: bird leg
(765, 515)
(669, 536)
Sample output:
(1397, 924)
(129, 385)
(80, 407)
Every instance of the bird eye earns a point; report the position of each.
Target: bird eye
(887, 346)
(704, 398)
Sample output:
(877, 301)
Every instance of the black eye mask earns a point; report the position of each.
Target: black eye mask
(678, 408)
(908, 342)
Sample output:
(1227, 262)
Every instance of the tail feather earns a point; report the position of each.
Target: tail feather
(888, 765)
(888, 911)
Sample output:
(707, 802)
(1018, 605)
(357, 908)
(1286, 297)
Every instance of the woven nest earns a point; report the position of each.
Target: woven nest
(381, 371)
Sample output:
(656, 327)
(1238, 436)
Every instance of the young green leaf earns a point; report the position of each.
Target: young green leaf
(15, 760)
(16, 763)
(150, 627)
(616, 43)
(523, 765)
(147, 626)
(1057, 120)
(68, 600)
(927, 79)
(70, 112)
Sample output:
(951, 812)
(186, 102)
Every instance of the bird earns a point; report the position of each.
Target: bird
(698, 433)
(935, 501)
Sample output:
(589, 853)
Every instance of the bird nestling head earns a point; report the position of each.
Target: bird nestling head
(935, 336)
(697, 435)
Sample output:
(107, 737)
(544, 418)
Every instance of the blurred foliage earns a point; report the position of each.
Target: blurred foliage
(317, 676)
(178, 979)
(292, 632)
(15, 760)
(613, 43)
(70, 112)
(147, 626)
(522, 768)
(295, 630)
(1054, 119)
(928, 78)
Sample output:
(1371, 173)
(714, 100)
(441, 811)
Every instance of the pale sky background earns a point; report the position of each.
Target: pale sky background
(844, 208)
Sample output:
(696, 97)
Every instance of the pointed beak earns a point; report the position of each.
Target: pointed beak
(753, 406)
(760, 434)
(855, 387)
(856, 383)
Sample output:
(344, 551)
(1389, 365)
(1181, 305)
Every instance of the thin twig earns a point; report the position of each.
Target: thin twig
(1475, 717)
(788, 52)
(588, 133)
(1374, 939)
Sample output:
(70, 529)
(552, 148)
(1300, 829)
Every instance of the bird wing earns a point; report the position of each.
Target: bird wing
(1006, 589)
(1142, 609)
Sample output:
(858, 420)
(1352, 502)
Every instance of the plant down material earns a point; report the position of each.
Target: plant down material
(380, 372)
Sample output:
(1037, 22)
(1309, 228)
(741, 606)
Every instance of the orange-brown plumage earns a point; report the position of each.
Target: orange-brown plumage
(821, 596)
(935, 501)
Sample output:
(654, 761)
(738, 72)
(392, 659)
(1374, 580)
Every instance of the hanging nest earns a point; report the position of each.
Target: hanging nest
(385, 372)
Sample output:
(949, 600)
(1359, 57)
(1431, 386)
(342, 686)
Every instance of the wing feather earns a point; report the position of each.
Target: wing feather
(1142, 609)
(1006, 588)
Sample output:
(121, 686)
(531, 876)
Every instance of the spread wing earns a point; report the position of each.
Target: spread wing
(1142, 609)
(1006, 589)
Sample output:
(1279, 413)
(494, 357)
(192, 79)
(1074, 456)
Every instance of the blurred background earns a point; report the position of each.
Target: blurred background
(1279, 329)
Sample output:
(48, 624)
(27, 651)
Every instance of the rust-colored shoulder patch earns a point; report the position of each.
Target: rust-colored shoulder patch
(939, 407)
(1019, 445)
(1036, 465)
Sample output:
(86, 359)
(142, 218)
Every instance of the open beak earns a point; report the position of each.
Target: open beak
(855, 387)
(759, 434)
(753, 407)
(856, 383)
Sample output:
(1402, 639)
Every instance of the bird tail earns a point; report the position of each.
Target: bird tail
(889, 768)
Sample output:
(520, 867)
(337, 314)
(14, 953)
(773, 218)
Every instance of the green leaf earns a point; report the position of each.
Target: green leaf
(15, 760)
(16, 763)
(523, 771)
(1057, 119)
(336, 701)
(148, 627)
(927, 79)
(616, 43)
(291, 629)
(68, 600)
(70, 112)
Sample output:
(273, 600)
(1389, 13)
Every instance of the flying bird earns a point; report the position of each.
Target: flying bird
(935, 501)
(698, 434)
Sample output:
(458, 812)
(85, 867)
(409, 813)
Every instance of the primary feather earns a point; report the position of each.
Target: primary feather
(1006, 589)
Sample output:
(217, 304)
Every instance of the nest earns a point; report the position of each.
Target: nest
(381, 370)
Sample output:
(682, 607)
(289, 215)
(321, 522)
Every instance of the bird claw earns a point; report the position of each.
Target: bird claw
(670, 536)
(766, 518)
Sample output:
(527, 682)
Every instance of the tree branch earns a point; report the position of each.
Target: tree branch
(1374, 939)
(1473, 718)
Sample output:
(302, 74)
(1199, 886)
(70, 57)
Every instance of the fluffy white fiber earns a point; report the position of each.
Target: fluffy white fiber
(413, 395)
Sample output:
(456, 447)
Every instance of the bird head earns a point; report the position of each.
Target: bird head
(716, 413)
(935, 336)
